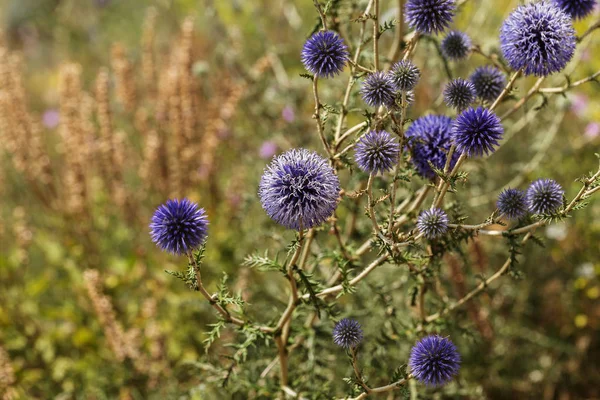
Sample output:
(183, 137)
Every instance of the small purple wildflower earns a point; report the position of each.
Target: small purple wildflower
(544, 196)
(579, 104)
(434, 360)
(179, 226)
(299, 189)
(476, 131)
(288, 114)
(324, 54)
(51, 118)
(538, 38)
(347, 333)
(376, 152)
(592, 130)
(267, 150)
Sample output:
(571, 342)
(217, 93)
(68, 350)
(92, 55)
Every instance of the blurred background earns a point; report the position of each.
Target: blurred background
(109, 107)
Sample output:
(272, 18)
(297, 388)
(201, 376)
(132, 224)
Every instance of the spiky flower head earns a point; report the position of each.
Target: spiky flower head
(459, 94)
(544, 196)
(576, 9)
(405, 75)
(299, 189)
(512, 203)
(430, 138)
(379, 89)
(432, 223)
(538, 38)
(434, 360)
(476, 131)
(347, 333)
(324, 54)
(376, 152)
(456, 45)
(429, 16)
(179, 226)
(489, 82)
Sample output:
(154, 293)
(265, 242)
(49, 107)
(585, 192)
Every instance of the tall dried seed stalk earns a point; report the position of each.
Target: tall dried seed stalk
(73, 132)
(124, 77)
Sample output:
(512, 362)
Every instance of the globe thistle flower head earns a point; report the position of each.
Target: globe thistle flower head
(538, 38)
(299, 189)
(376, 152)
(429, 16)
(405, 75)
(544, 196)
(379, 89)
(459, 94)
(179, 226)
(512, 203)
(434, 360)
(433, 223)
(347, 333)
(430, 139)
(456, 45)
(489, 82)
(476, 131)
(576, 9)
(324, 54)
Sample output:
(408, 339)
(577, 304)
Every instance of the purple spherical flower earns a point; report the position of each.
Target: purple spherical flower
(430, 138)
(405, 75)
(324, 54)
(376, 152)
(512, 203)
(476, 131)
(347, 333)
(489, 82)
(299, 189)
(456, 45)
(544, 196)
(538, 38)
(434, 360)
(433, 223)
(429, 16)
(577, 9)
(379, 89)
(459, 94)
(179, 226)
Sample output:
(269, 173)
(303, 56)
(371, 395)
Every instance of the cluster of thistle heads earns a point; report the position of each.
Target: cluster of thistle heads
(434, 360)
(300, 190)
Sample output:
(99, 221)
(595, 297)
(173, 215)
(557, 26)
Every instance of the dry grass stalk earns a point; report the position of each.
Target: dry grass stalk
(124, 78)
(113, 331)
(106, 144)
(73, 133)
(19, 134)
